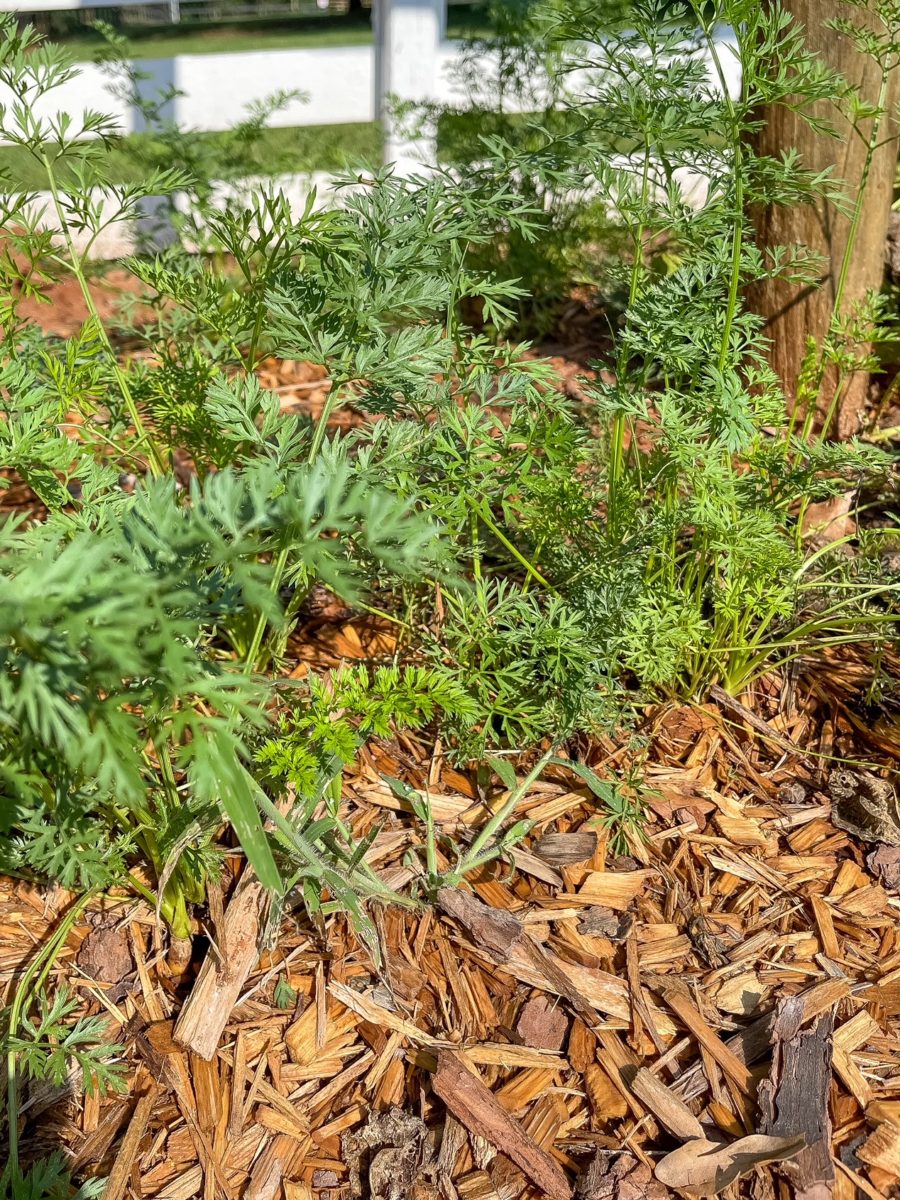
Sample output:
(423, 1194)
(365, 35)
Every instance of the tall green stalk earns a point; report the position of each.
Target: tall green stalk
(156, 461)
(617, 439)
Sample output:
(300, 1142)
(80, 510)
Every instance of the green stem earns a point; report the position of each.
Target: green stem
(431, 863)
(156, 463)
(473, 856)
(617, 440)
(281, 559)
(473, 533)
(520, 558)
(262, 620)
(321, 429)
(856, 219)
(37, 969)
(884, 435)
(140, 888)
(737, 237)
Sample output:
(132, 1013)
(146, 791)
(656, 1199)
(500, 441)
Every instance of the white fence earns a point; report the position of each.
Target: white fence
(410, 59)
(216, 90)
(31, 6)
(338, 86)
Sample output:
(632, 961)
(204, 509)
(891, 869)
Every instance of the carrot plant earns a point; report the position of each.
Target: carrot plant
(682, 548)
(650, 536)
(546, 562)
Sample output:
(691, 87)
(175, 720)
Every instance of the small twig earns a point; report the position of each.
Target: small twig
(757, 724)
(310, 386)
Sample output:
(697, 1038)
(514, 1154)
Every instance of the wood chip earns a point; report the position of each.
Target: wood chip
(707, 1037)
(207, 1009)
(882, 1150)
(669, 1110)
(542, 1023)
(120, 1174)
(474, 1106)
(611, 889)
(794, 1099)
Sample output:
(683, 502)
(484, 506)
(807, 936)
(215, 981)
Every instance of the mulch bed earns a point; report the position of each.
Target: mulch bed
(564, 1023)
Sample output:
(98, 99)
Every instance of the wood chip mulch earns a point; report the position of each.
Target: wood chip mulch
(718, 1009)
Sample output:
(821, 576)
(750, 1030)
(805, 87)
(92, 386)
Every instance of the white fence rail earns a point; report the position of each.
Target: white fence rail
(167, 10)
(410, 59)
(216, 90)
(35, 6)
(340, 85)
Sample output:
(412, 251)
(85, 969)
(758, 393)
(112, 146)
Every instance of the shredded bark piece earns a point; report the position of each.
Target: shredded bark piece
(542, 1023)
(794, 1099)
(618, 1177)
(475, 1106)
(105, 954)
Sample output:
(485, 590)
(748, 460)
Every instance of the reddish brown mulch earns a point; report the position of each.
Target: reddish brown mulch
(606, 1003)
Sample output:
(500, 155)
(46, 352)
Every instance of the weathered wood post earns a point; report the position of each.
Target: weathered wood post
(795, 312)
(407, 37)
